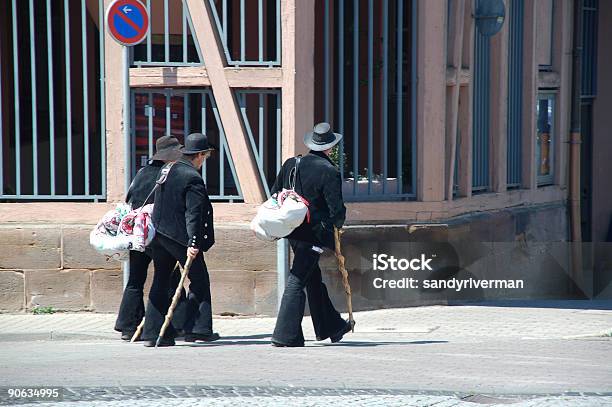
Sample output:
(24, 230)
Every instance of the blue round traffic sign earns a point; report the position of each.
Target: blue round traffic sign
(127, 21)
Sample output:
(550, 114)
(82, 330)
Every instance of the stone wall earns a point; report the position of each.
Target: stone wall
(523, 243)
(54, 265)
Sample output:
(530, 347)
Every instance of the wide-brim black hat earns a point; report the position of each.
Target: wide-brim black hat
(321, 138)
(167, 148)
(197, 143)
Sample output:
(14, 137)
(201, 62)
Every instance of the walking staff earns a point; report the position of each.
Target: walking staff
(344, 273)
(318, 181)
(183, 219)
(131, 310)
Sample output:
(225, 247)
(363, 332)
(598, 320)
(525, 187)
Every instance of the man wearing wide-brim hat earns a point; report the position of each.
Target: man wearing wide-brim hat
(318, 181)
(183, 220)
(131, 311)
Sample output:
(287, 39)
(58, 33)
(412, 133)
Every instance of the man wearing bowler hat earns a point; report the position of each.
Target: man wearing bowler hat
(183, 219)
(318, 181)
(131, 311)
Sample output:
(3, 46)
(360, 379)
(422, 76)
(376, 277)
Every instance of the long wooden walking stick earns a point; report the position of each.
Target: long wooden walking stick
(141, 325)
(345, 280)
(175, 300)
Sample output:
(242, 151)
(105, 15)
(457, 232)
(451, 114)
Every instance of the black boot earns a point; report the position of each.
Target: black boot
(201, 337)
(337, 337)
(127, 335)
(163, 342)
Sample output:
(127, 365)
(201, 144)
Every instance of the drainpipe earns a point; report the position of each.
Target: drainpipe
(575, 141)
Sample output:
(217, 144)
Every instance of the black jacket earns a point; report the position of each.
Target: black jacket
(319, 182)
(182, 210)
(143, 184)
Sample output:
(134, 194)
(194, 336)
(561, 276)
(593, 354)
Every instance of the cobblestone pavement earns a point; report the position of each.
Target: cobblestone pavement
(536, 354)
(187, 396)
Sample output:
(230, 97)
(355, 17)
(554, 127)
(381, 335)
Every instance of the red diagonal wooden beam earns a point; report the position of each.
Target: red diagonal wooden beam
(237, 137)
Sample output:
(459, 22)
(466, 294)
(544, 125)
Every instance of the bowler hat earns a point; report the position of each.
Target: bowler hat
(321, 138)
(197, 143)
(167, 148)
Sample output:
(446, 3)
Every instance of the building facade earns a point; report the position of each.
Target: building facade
(454, 140)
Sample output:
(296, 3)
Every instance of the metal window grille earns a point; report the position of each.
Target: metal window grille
(250, 30)
(52, 135)
(481, 118)
(515, 94)
(261, 113)
(365, 61)
(589, 49)
(180, 112)
(170, 40)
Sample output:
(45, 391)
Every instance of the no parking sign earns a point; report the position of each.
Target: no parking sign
(127, 21)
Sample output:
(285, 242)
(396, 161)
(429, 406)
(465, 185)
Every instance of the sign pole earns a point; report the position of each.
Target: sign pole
(282, 269)
(126, 137)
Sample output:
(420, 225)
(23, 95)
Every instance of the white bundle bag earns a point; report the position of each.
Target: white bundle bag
(105, 237)
(123, 229)
(281, 213)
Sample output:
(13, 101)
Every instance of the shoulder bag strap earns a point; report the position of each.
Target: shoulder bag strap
(294, 172)
(163, 176)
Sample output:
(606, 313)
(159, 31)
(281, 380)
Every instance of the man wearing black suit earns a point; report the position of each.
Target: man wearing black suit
(317, 180)
(183, 219)
(131, 310)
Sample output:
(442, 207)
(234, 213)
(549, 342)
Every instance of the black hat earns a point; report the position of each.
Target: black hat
(321, 138)
(197, 143)
(167, 148)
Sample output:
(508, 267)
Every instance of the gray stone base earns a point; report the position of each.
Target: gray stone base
(54, 265)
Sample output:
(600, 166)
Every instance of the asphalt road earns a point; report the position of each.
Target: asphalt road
(391, 362)
(442, 356)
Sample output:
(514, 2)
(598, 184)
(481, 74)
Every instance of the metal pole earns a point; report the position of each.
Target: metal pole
(282, 267)
(126, 140)
(68, 94)
(34, 103)
(51, 100)
(166, 33)
(16, 103)
(102, 99)
(85, 95)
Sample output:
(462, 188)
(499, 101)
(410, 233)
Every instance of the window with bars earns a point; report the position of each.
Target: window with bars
(365, 58)
(179, 112)
(52, 144)
(481, 112)
(250, 30)
(170, 40)
(515, 94)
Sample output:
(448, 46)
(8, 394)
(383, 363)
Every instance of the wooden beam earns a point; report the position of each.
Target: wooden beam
(250, 77)
(431, 92)
(498, 132)
(156, 77)
(113, 88)
(466, 102)
(298, 25)
(237, 138)
(197, 76)
(456, 23)
(562, 63)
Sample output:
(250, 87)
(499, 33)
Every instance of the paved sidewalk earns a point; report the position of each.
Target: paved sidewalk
(510, 320)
